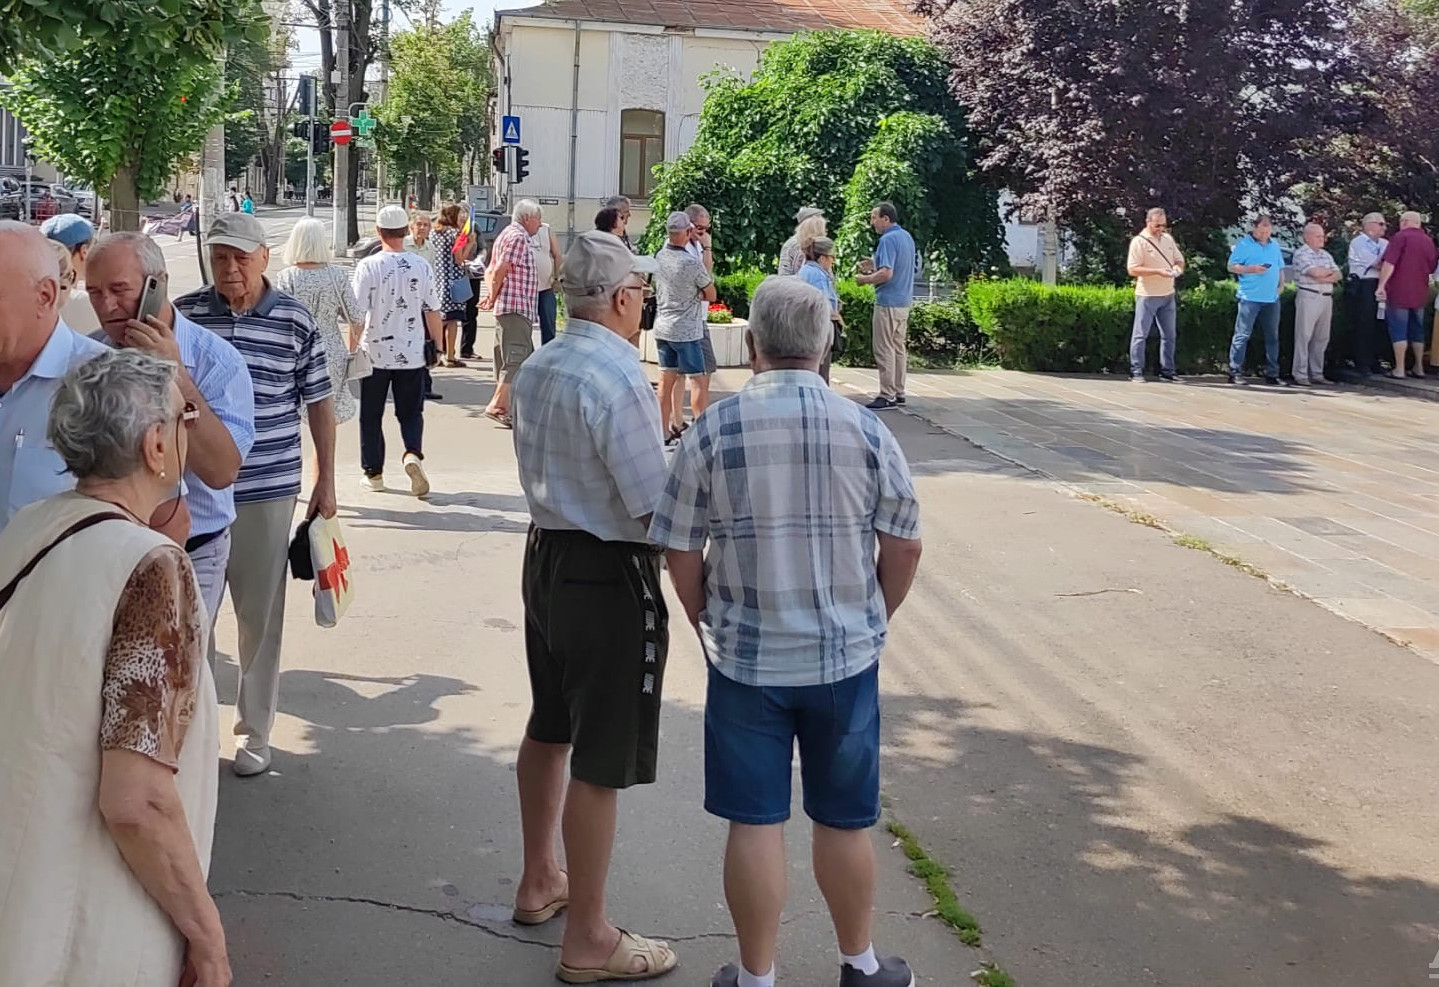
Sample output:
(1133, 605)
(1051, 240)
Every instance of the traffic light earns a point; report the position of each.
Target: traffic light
(302, 130)
(305, 95)
(321, 141)
(497, 158)
(522, 164)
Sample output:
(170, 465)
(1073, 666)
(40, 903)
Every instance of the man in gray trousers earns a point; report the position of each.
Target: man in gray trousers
(1154, 263)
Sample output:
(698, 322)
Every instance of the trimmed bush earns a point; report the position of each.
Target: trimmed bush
(734, 290)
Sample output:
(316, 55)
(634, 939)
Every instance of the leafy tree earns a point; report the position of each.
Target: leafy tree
(28, 29)
(119, 111)
(837, 119)
(1386, 161)
(1088, 108)
(435, 118)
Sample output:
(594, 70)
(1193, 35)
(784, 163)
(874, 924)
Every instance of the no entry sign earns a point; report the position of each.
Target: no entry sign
(340, 132)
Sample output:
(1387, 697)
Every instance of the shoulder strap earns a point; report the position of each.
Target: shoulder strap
(74, 529)
(1157, 248)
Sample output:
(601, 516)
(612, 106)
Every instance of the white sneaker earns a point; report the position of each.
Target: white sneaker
(419, 482)
(251, 761)
(375, 483)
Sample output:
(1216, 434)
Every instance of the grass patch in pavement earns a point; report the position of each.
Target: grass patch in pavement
(1180, 538)
(936, 881)
(992, 976)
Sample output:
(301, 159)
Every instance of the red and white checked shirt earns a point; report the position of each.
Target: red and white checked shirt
(520, 292)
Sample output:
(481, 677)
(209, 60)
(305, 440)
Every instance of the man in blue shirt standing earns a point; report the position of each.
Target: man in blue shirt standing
(1260, 266)
(891, 271)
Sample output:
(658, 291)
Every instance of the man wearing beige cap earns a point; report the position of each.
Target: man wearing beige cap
(591, 460)
(286, 357)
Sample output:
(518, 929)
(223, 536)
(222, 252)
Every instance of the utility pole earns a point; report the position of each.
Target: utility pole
(311, 94)
(384, 95)
(340, 184)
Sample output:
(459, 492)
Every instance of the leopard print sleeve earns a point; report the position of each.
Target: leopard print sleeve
(152, 665)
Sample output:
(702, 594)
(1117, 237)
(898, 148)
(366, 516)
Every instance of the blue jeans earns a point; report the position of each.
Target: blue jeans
(1267, 315)
(750, 734)
(548, 313)
(1405, 325)
(1150, 310)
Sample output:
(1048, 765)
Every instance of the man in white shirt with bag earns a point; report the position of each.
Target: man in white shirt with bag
(400, 300)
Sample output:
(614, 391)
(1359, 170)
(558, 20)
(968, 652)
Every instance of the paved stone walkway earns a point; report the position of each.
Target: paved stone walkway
(1333, 492)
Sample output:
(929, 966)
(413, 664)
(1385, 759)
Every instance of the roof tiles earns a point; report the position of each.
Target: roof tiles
(778, 16)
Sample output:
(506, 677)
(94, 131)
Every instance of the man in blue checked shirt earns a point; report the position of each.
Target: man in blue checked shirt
(212, 376)
(792, 536)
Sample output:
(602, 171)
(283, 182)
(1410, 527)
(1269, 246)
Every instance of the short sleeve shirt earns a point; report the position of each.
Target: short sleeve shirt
(896, 252)
(394, 288)
(787, 486)
(1149, 251)
(519, 295)
(1414, 257)
(153, 664)
(1258, 287)
(1307, 260)
(285, 353)
(679, 309)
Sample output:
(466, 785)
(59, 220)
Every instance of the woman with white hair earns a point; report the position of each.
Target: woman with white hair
(324, 288)
(810, 226)
(108, 716)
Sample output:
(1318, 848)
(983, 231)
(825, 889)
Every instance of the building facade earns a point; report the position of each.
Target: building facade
(604, 92)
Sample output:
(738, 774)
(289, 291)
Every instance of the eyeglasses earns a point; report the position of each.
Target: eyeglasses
(701, 229)
(645, 290)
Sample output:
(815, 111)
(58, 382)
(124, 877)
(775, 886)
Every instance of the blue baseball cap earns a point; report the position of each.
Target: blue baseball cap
(67, 228)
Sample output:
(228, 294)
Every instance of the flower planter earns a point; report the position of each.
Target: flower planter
(728, 339)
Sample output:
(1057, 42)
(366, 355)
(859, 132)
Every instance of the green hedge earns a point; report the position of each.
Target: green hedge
(1023, 325)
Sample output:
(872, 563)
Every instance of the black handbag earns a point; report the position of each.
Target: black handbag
(838, 343)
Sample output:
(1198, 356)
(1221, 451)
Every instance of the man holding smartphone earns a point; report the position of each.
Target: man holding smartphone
(127, 283)
(1259, 263)
(1155, 263)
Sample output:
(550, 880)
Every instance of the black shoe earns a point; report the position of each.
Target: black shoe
(893, 972)
(1273, 381)
(899, 400)
(1170, 376)
(1233, 378)
(1136, 378)
(432, 396)
(468, 355)
(881, 404)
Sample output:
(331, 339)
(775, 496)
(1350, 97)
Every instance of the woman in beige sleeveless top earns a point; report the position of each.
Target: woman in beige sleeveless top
(107, 713)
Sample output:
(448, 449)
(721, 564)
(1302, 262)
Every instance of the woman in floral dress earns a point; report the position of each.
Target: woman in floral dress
(324, 288)
(448, 270)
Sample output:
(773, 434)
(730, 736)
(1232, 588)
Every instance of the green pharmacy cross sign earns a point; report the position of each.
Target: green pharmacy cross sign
(364, 124)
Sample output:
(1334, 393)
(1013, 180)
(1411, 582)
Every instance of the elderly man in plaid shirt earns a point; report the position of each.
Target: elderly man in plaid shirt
(512, 290)
(587, 437)
(809, 514)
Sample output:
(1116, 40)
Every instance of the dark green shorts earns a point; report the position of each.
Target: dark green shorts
(596, 639)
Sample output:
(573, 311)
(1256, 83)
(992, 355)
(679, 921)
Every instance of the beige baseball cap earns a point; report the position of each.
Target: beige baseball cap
(239, 230)
(597, 262)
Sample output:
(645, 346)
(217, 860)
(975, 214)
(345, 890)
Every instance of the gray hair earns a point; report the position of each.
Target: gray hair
(104, 408)
(527, 209)
(789, 319)
(145, 249)
(621, 202)
(1373, 217)
(41, 263)
(1155, 213)
(308, 244)
(694, 210)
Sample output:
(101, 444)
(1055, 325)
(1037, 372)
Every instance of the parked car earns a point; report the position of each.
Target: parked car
(35, 191)
(10, 199)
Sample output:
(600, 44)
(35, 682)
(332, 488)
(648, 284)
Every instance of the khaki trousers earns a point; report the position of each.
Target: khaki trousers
(258, 572)
(1312, 315)
(891, 351)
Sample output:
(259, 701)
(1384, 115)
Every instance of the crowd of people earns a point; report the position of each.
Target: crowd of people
(157, 462)
(1384, 282)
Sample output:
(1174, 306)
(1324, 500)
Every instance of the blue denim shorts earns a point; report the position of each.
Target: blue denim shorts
(1405, 324)
(685, 358)
(750, 733)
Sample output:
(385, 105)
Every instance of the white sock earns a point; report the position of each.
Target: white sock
(864, 962)
(747, 979)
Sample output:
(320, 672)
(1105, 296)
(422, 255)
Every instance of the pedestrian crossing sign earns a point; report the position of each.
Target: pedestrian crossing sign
(510, 130)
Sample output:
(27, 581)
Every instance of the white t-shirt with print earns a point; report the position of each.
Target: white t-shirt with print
(394, 290)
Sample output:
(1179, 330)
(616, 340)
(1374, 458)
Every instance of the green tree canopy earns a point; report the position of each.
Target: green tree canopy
(28, 29)
(120, 109)
(837, 119)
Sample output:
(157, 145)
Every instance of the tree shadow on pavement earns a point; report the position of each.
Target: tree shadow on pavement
(1083, 445)
(1043, 838)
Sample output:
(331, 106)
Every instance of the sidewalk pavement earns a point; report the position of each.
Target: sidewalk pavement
(383, 847)
(1333, 492)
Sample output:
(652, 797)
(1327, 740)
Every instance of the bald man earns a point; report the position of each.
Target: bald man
(1409, 262)
(1317, 275)
(36, 351)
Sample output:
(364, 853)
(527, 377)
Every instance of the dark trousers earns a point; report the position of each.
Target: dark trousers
(471, 326)
(1364, 322)
(549, 312)
(409, 391)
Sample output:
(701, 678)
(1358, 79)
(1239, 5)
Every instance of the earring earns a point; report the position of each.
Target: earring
(162, 474)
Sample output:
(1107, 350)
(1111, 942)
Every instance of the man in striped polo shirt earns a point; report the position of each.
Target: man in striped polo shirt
(286, 356)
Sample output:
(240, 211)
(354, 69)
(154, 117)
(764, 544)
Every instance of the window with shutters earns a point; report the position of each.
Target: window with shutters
(642, 146)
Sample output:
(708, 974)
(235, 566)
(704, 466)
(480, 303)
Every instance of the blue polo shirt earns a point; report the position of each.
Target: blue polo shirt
(1258, 287)
(896, 252)
(30, 468)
